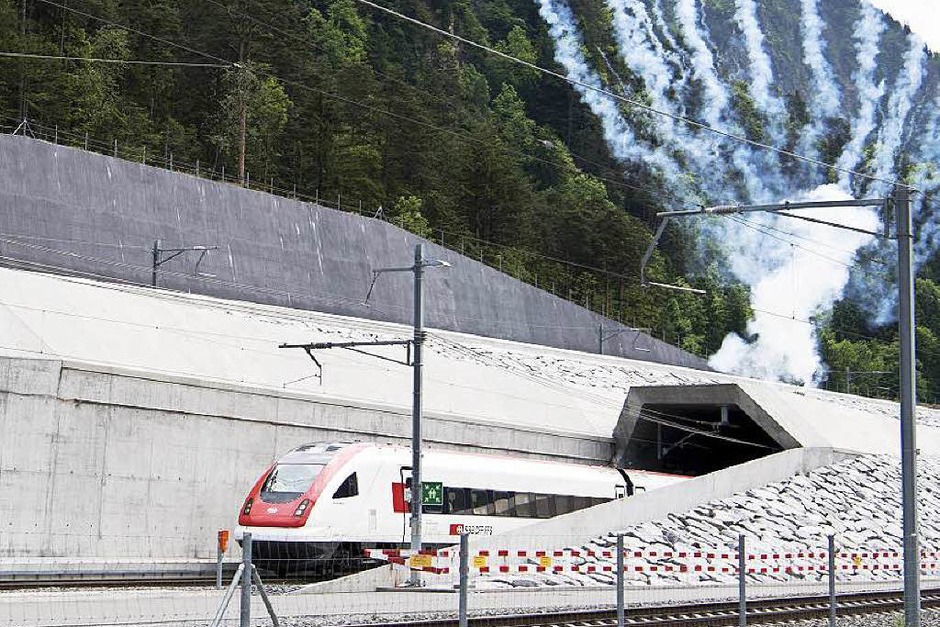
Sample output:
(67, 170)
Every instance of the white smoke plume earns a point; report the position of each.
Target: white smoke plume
(900, 103)
(643, 53)
(800, 284)
(801, 272)
(867, 36)
(881, 298)
(657, 9)
(827, 98)
(760, 67)
(633, 32)
(927, 179)
(618, 133)
(715, 99)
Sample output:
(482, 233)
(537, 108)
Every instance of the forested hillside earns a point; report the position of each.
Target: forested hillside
(339, 102)
(499, 160)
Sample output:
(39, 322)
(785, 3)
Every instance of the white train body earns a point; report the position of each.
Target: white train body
(324, 501)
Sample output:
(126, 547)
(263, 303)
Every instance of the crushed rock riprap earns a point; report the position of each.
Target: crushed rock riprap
(570, 370)
(857, 500)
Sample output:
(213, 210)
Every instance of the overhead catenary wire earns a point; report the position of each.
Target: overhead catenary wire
(694, 431)
(651, 193)
(23, 55)
(203, 53)
(763, 230)
(634, 103)
(59, 269)
(385, 308)
(138, 32)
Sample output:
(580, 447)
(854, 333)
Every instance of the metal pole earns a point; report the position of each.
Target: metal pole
(229, 593)
(832, 581)
(600, 339)
(156, 262)
(264, 597)
(742, 587)
(244, 614)
(464, 572)
(416, 492)
(218, 566)
(620, 612)
(908, 398)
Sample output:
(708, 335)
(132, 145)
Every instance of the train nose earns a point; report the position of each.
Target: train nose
(290, 514)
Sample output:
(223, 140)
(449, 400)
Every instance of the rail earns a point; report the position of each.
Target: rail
(719, 614)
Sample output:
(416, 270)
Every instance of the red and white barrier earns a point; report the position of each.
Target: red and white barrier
(443, 561)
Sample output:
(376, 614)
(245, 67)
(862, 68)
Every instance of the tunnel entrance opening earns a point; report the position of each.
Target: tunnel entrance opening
(691, 439)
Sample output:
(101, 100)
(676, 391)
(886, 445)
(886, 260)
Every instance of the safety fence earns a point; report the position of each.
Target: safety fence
(699, 561)
(311, 585)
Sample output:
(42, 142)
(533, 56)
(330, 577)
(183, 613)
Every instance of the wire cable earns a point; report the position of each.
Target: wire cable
(634, 103)
(138, 32)
(651, 193)
(23, 55)
(761, 229)
(424, 94)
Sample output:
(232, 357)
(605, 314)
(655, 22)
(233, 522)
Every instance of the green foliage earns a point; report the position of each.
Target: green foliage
(751, 118)
(866, 359)
(409, 216)
(518, 45)
(266, 107)
(340, 102)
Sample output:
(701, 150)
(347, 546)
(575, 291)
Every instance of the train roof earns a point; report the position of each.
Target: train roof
(313, 453)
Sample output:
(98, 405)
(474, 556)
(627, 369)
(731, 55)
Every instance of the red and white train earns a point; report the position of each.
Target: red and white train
(323, 503)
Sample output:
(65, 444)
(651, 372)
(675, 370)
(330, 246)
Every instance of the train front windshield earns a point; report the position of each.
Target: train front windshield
(288, 481)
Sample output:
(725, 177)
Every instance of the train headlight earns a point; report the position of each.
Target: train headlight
(304, 504)
(247, 508)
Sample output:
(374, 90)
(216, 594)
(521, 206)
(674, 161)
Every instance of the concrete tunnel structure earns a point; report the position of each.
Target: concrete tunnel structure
(696, 429)
(113, 393)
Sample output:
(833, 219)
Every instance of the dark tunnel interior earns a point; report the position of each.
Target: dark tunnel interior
(695, 439)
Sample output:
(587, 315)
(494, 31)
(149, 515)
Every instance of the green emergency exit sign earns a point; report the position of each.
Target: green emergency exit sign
(432, 493)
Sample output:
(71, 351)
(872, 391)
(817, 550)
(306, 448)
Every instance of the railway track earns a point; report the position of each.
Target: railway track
(120, 580)
(721, 614)
(103, 580)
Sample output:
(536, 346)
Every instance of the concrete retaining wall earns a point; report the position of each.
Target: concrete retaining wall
(94, 215)
(579, 527)
(111, 463)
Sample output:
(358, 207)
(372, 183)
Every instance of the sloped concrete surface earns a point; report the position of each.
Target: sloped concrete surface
(99, 216)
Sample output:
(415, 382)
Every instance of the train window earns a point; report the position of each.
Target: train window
(579, 502)
(288, 481)
(501, 503)
(456, 501)
(349, 487)
(523, 505)
(544, 505)
(482, 502)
